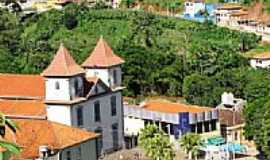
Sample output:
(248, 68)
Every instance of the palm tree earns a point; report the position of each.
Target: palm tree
(191, 142)
(8, 147)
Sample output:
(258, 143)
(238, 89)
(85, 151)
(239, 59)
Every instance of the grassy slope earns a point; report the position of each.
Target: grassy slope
(115, 26)
(259, 49)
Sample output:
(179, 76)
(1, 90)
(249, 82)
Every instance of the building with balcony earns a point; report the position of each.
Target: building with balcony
(175, 119)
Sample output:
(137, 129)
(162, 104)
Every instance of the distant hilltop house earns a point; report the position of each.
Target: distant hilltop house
(260, 60)
(87, 97)
(198, 10)
(193, 7)
(224, 12)
(175, 119)
(39, 6)
(253, 19)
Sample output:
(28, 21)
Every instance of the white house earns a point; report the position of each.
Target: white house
(88, 97)
(223, 13)
(261, 60)
(193, 7)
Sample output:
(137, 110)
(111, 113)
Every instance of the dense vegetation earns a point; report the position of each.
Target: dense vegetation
(156, 143)
(164, 56)
(160, 52)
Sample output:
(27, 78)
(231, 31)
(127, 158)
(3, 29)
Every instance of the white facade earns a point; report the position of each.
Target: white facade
(260, 63)
(59, 113)
(57, 89)
(222, 17)
(111, 76)
(132, 125)
(192, 8)
(63, 89)
(63, 110)
(107, 120)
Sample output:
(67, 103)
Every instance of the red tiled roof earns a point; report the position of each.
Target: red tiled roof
(169, 107)
(22, 107)
(102, 56)
(15, 85)
(34, 133)
(230, 7)
(63, 64)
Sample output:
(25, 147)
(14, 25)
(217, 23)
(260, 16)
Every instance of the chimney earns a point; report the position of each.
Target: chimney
(43, 151)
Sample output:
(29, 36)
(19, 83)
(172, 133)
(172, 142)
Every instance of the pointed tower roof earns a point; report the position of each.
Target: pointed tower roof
(102, 56)
(62, 64)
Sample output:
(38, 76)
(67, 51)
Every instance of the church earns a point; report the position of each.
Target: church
(87, 96)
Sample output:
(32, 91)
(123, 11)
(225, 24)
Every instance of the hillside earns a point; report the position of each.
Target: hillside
(159, 51)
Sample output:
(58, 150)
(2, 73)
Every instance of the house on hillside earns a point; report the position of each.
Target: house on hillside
(193, 7)
(224, 12)
(199, 11)
(175, 119)
(253, 19)
(87, 97)
(231, 118)
(261, 60)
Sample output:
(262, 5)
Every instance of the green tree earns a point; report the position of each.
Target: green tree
(156, 143)
(148, 26)
(9, 147)
(128, 3)
(191, 142)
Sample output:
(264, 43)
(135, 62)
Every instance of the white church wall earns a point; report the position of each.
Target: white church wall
(59, 113)
(103, 74)
(107, 120)
(57, 89)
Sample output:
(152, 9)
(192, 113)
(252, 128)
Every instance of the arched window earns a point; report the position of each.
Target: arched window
(57, 85)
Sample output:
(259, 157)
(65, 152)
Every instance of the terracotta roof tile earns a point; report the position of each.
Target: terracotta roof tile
(15, 85)
(239, 13)
(169, 107)
(63, 64)
(34, 133)
(230, 7)
(22, 107)
(102, 56)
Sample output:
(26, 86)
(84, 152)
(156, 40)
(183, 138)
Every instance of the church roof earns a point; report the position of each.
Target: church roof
(33, 133)
(22, 108)
(22, 86)
(62, 65)
(102, 56)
